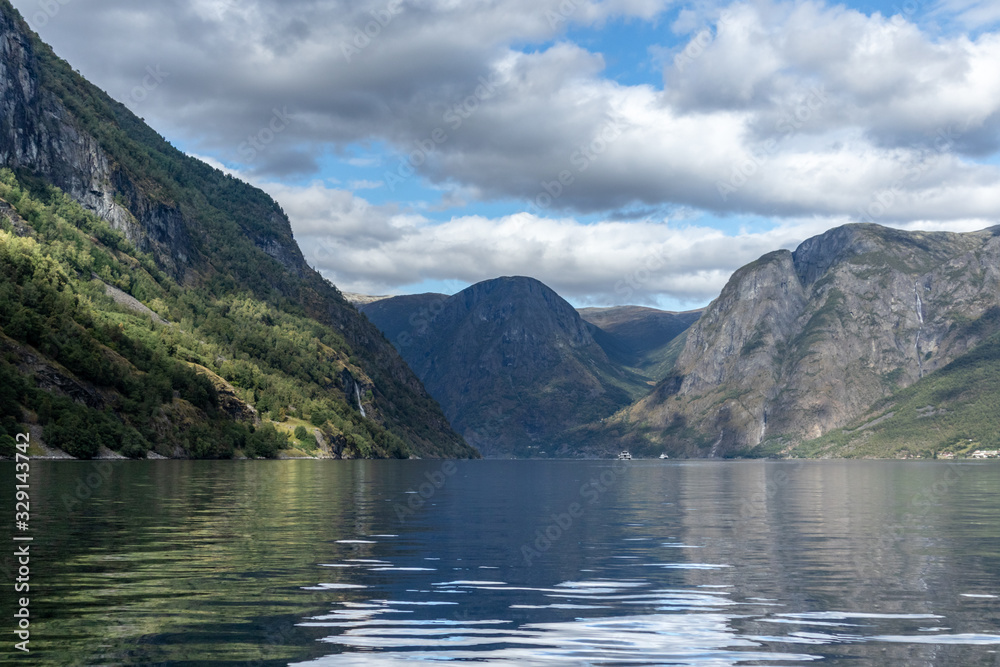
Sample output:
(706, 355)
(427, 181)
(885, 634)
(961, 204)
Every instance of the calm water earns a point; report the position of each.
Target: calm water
(523, 563)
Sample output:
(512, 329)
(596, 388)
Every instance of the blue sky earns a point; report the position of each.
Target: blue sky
(622, 151)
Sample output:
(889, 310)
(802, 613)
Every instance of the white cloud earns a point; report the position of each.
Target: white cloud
(811, 113)
(378, 249)
(970, 13)
(841, 104)
(365, 185)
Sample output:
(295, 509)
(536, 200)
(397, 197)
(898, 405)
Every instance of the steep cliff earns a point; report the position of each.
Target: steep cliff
(207, 231)
(799, 343)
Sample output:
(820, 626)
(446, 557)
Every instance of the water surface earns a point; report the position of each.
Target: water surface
(513, 562)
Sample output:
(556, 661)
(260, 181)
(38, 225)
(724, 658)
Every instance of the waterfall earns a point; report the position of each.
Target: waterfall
(920, 318)
(920, 305)
(357, 393)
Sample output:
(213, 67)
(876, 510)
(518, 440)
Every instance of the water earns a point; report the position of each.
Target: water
(328, 563)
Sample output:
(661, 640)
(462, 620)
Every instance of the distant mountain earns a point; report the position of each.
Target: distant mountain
(801, 343)
(401, 318)
(639, 338)
(514, 366)
(104, 221)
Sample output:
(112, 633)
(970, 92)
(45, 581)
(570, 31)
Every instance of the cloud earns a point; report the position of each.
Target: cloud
(365, 185)
(774, 108)
(381, 249)
(970, 13)
(808, 113)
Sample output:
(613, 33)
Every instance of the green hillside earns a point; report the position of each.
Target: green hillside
(93, 372)
(102, 194)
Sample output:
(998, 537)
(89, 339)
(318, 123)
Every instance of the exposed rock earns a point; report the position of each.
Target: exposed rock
(130, 302)
(38, 133)
(362, 299)
(109, 454)
(196, 222)
(51, 376)
(20, 227)
(800, 343)
(38, 445)
(229, 400)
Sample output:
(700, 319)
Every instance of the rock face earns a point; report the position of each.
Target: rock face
(39, 134)
(802, 342)
(200, 225)
(514, 366)
(229, 400)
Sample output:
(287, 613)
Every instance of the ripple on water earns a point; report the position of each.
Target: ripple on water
(689, 626)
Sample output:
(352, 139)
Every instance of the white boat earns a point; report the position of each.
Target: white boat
(664, 456)
(625, 456)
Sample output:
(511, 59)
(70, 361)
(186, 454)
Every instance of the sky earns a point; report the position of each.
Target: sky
(621, 151)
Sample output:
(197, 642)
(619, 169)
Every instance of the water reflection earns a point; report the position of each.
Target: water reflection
(674, 563)
(766, 563)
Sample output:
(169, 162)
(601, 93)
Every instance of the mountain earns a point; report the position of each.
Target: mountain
(514, 366)
(401, 318)
(639, 338)
(801, 343)
(105, 221)
(953, 410)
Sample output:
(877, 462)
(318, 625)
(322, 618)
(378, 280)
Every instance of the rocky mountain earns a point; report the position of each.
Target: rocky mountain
(203, 246)
(951, 411)
(516, 369)
(801, 343)
(639, 338)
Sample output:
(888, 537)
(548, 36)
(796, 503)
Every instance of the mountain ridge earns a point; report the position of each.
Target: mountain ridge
(206, 230)
(515, 367)
(800, 343)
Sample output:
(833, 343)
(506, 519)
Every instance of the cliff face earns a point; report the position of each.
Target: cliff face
(514, 366)
(207, 230)
(802, 342)
(39, 134)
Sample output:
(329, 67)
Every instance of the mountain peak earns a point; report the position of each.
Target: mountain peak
(800, 343)
(514, 366)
